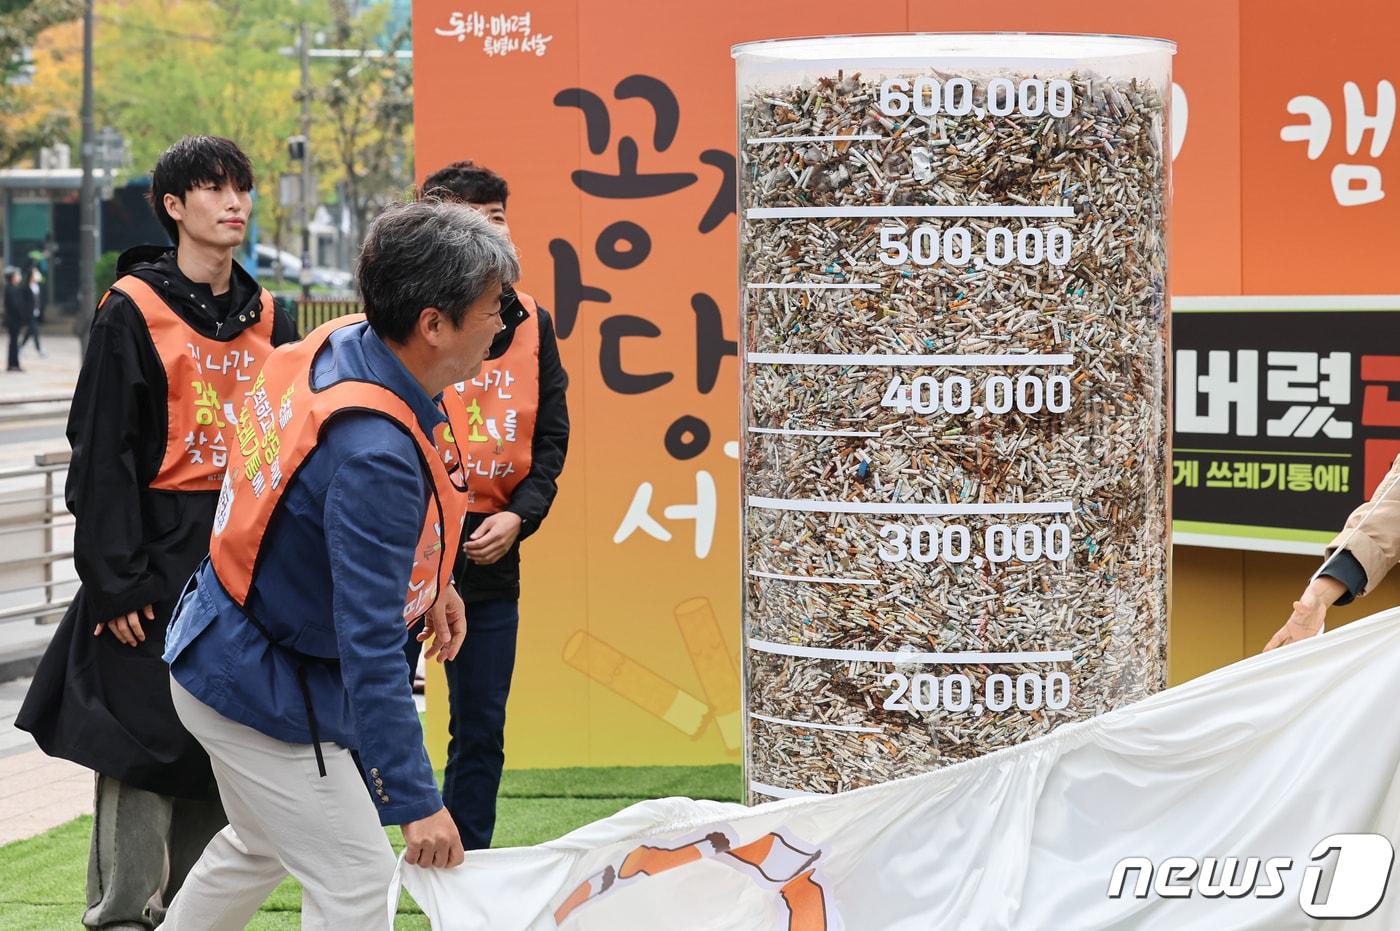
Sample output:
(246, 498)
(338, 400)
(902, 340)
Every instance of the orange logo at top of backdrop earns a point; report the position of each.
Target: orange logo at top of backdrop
(778, 861)
(499, 35)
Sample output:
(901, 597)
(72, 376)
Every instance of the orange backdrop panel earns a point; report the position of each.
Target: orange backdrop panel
(1206, 206)
(1298, 237)
(487, 108)
(629, 633)
(628, 650)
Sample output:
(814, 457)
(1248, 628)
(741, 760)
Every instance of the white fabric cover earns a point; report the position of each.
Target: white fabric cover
(1264, 758)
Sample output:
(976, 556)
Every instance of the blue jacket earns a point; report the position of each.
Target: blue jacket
(330, 585)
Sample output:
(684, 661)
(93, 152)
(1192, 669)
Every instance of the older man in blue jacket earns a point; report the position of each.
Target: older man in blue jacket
(287, 652)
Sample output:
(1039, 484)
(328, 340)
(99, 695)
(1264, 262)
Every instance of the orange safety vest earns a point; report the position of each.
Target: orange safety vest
(281, 422)
(205, 379)
(498, 409)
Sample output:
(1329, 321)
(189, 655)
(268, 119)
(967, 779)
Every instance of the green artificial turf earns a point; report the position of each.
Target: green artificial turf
(45, 876)
(713, 782)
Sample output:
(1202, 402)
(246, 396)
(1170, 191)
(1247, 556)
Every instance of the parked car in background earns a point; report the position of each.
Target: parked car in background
(268, 258)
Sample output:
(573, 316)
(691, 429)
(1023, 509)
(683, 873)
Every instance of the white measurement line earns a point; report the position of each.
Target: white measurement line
(797, 213)
(860, 137)
(812, 578)
(878, 656)
(813, 286)
(837, 358)
(783, 431)
(777, 792)
(851, 728)
(863, 507)
(1288, 302)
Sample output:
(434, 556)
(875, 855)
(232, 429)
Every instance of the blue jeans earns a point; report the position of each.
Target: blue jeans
(478, 683)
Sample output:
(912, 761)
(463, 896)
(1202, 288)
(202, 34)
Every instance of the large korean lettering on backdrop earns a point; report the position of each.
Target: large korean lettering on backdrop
(614, 124)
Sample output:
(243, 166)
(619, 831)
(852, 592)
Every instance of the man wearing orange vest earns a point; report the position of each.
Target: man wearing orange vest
(515, 439)
(336, 527)
(174, 347)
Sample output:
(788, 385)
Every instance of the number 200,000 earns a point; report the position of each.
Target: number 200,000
(924, 692)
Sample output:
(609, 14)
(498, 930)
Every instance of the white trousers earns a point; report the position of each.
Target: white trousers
(284, 817)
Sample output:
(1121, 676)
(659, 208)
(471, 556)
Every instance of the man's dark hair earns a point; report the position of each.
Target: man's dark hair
(467, 182)
(192, 162)
(429, 253)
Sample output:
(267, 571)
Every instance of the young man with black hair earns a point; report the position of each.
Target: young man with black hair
(336, 527)
(173, 349)
(514, 446)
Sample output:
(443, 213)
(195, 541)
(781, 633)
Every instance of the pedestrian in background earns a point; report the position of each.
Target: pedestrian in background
(35, 316)
(15, 321)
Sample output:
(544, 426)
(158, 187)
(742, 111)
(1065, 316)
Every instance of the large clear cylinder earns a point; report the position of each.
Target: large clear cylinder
(955, 332)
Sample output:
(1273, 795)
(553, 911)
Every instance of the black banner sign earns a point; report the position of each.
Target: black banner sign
(1286, 416)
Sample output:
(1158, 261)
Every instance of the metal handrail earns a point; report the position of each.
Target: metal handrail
(21, 528)
(29, 407)
(35, 498)
(16, 400)
(43, 612)
(49, 467)
(43, 559)
(24, 588)
(36, 469)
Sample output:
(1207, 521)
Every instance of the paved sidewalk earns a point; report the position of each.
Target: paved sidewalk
(56, 374)
(37, 792)
(41, 793)
(12, 739)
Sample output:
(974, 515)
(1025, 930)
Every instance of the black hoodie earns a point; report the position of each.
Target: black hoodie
(94, 700)
(134, 545)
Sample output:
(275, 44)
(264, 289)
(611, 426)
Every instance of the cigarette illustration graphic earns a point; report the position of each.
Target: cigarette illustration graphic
(786, 864)
(775, 858)
(591, 887)
(772, 861)
(640, 863)
(806, 902)
(648, 861)
(719, 678)
(644, 688)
